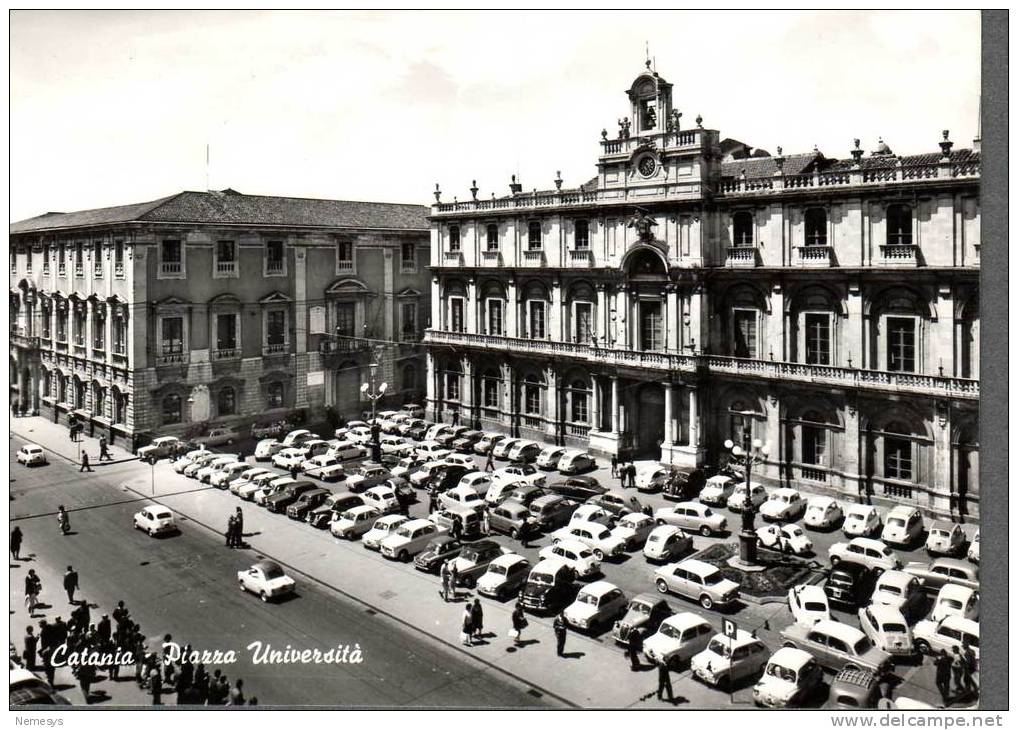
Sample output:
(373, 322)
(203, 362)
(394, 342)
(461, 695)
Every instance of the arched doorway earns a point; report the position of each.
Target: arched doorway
(348, 396)
(648, 428)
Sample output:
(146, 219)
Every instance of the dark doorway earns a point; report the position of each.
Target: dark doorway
(649, 425)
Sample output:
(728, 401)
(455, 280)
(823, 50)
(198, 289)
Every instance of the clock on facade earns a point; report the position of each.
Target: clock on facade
(646, 166)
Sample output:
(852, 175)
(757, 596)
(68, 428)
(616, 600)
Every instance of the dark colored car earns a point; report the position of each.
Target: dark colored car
(465, 443)
(549, 587)
(439, 550)
(417, 432)
(404, 490)
(578, 488)
(448, 477)
(616, 503)
(644, 615)
(551, 511)
(525, 494)
(473, 560)
(509, 517)
(451, 434)
(850, 584)
(321, 515)
(280, 501)
(684, 485)
(271, 429)
(306, 502)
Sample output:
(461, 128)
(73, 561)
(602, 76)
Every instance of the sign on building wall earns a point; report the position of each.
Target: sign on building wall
(316, 315)
(316, 377)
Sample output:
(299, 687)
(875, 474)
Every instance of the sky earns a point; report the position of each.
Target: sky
(117, 107)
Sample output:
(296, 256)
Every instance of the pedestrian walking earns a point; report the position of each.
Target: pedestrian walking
(467, 635)
(70, 583)
(485, 523)
(85, 466)
(237, 693)
(632, 475)
(444, 574)
(238, 533)
(664, 682)
(957, 672)
(519, 622)
(31, 642)
(615, 465)
(453, 580)
(231, 526)
(33, 587)
(103, 628)
(634, 645)
(120, 614)
(943, 676)
(524, 533)
(971, 667)
(559, 627)
(16, 538)
(294, 471)
(48, 668)
(477, 618)
(432, 501)
(63, 520)
(457, 528)
(104, 449)
(455, 418)
(489, 461)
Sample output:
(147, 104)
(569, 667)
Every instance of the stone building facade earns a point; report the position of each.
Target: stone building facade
(698, 287)
(216, 307)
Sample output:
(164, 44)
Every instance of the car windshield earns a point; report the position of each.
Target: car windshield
(589, 598)
(585, 554)
(794, 531)
(542, 578)
(814, 606)
(896, 522)
(655, 538)
(940, 533)
(272, 571)
(497, 569)
(720, 647)
(952, 603)
(893, 590)
(706, 512)
(862, 646)
(671, 632)
(471, 554)
(640, 607)
(714, 578)
(783, 673)
(895, 627)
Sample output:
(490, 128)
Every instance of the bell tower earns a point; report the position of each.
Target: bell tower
(651, 100)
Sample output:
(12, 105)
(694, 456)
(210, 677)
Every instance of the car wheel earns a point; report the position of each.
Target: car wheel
(264, 596)
(240, 584)
(923, 646)
(151, 532)
(789, 645)
(707, 602)
(404, 556)
(514, 533)
(662, 586)
(599, 554)
(705, 531)
(835, 560)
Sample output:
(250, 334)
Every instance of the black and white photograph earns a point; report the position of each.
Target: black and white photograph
(496, 360)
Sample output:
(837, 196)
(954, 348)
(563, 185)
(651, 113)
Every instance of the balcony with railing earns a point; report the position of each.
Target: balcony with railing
(226, 268)
(533, 257)
(226, 353)
(492, 257)
(742, 257)
(815, 256)
(171, 268)
(580, 258)
(274, 266)
(172, 358)
(24, 341)
(345, 265)
(274, 348)
(900, 254)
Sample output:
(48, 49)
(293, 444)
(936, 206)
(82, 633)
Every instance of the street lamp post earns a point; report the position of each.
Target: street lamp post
(750, 453)
(370, 392)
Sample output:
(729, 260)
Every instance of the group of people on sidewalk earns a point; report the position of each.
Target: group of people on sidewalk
(624, 472)
(955, 674)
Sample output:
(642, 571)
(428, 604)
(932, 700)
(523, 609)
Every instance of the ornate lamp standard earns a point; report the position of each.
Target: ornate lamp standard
(750, 453)
(369, 391)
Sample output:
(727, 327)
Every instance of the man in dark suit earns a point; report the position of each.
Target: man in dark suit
(664, 682)
(559, 627)
(70, 583)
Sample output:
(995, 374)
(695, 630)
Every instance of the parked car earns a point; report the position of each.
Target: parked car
(354, 522)
(597, 537)
(421, 478)
(345, 450)
(901, 591)
(417, 430)
(289, 458)
(439, 550)
(315, 447)
(524, 494)
(946, 634)
(306, 502)
(698, 581)
(487, 442)
(836, 645)
(461, 497)
(597, 605)
(222, 476)
(783, 505)
(652, 479)
(160, 448)
(693, 517)
(464, 444)
(504, 577)
(281, 500)
(381, 528)
(823, 513)
(667, 542)
(359, 435)
(944, 570)
(409, 540)
(473, 561)
(211, 466)
(509, 518)
(678, 639)
(246, 477)
(501, 448)
(643, 615)
(727, 661)
(578, 488)
(405, 427)
(617, 503)
(871, 553)
(524, 451)
(413, 410)
(575, 554)
(324, 466)
(887, 628)
(155, 520)
(738, 500)
(266, 449)
(222, 435)
(634, 529)
(382, 498)
(407, 466)
(954, 600)
(550, 511)
(945, 538)
(904, 525)
(861, 520)
(368, 474)
(549, 457)
(182, 462)
(26, 689)
(973, 551)
(338, 503)
(850, 584)
(854, 689)
(198, 462)
(718, 489)
(789, 679)
(574, 461)
(256, 484)
(272, 488)
(33, 455)
(297, 437)
(450, 435)
(684, 484)
(785, 538)
(269, 430)
(391, 444)
(549, 586)
(808, 604)
(592, 513)
(267, 580)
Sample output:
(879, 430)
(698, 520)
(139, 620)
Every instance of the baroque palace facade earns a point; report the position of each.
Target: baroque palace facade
(205, 308)
(698, 287)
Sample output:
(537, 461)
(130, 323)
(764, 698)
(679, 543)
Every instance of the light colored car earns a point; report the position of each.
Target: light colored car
(808, 604)
(667, 542)
(944, 635)
(297, 437)
(515, 473)
(575, 554)
(324, 466)
(944, 570)
(160, 448)
(954, 600)
(973, 552)
(392, 444)
(266, 579)
(678, 639)
(726, 660)
(634, 529)
(501, 448)
(549, 457)
(783, 505)
(945, 538)
(524, 451)
(199, 461)
(360, 435)
(591, 513)
(381, 529)
(460, 460)
(788, 680)
(345, 450)
(436, 430)
(861, 520)
(574, 461)
(425, 473)
(837, 646)
(32, 455)
(903, 526)
(246, 477)
(189, 458)
(822, 513)
(692, 517)
(432, 451)
(219, 436)
(595, 536)
(597, 605)
(274, 486)
(256, 484)
(212, 466)
(487, 442)
(887, 628)
(409, 539)
(785, 538)
(368, 474)
(871, 553)
(899, 590)
(505, 575)
(222, 476)
(698, 581)
(410, 424)
(757, 496)
(478, 481)
(155, 520)
(289, 458)
(461, 497)
(413, 410)
(354, 522)
(717, 490)
(267, 448)
(652, 479)
(381, 498)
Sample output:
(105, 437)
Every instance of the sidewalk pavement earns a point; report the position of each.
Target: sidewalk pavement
(56, 438)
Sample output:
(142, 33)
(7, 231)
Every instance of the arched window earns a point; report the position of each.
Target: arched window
(532, 395)
(742, 228)
(492, 231)
(816, 227)
(899, 225)
(47, 383)
(79, 393)
(61, 388)
(98, 399)
(274, 395)
(226, 402)
(171, 409)
(579, 412)
(119, 406)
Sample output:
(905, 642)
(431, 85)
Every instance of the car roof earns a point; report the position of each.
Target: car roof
(573, 453)
(698, 566)
(598, 588)
(885, 612)
(685, 620)
(902, 509)
(848, 634)
(587, 523)
(809, 591)
(552, 448)
(420, 522)
(665, 530)
(784, 491)
(32, 446)
(790, 658)
(860, 509)
(953, 590)
(572, 544)
(635, 517)
(549, 566)
(319, 490)
(943, 525)
(651, 599)
(821, 501)
(361, 509)
(389, 519)
(868, 542)
(896, 577)
(955, 563)
(509, 559)
(958, 622)
(268, 565)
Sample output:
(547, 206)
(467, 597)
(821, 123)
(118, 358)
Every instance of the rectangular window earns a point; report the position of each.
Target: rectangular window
(275, 330)
(79, 327)
(61, 325)
(744, 326)
(456, 314)
(650, 326)
(583, 330)
(580, 414)
(46, 322)
(454, 238)
(492, 232)
(226, 258)
(62, 260)
(79, 259)
(344, 256)
(274, 261)
(582, 235)
(345, 314)
(818, 339)
(99, 330)
(897, 458)
(173, 336)
(45, 260)
(532, 398)
(171, 258)
(408, 258)
(535, 320)
(490, 393)
(28, 260)
(119, 335)
(452, 386)
(814, 445)
(409, 311)
(118, 258)
(495, 317)
(97, 259)
(226, 332)
(534, 236)
(901, 344)
(816, 227)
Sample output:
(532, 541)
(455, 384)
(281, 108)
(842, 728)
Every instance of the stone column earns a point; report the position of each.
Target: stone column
(556, 318)
(595, 404)
(388, 294)
(621, 324)
(942, 358)
(471, 305)
(672, 320)
(776, 329)
(694, 418)
(467, 392)
(300, 379)
(699, 327)
(431, 394)
(854, 337)
(601, 315)
(851, 462)
(772, 435)
(553, 405)
(943, 490)
(512, 314)
(669, 433)
(615, 405)
(436, 303)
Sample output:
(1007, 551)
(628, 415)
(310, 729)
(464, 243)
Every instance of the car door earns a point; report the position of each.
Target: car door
(817, 645)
